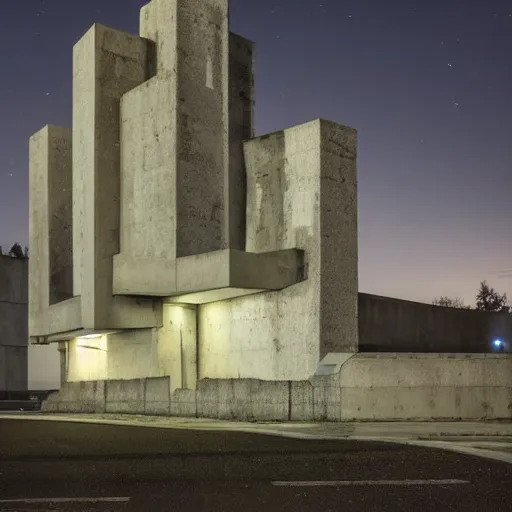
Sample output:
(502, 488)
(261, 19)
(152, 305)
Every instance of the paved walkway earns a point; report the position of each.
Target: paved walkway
(492, 440)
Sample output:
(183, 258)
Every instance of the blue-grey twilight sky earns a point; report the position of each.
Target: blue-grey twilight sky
(428, 85)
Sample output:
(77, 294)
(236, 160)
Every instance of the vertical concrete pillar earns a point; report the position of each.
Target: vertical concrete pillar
(202, 203)
(339, 328)
(177, 145)
(63, 360)
(177, 345)
(50, 264)
(106, 64)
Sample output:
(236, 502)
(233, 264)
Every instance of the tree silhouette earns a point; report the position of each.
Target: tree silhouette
(448, 302)
(487, 299)
(16, 251)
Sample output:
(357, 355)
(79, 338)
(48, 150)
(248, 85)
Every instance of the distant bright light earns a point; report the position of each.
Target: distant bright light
(498, 343)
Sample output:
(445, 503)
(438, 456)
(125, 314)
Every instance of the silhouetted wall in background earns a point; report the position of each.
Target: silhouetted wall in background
(13, 323)
(394, 325)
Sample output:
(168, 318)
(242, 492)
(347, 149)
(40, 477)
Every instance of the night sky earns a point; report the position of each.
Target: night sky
(428, 85)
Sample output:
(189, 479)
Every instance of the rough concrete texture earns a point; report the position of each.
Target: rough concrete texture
(286, 333)
(184, 403)
(426, 386)
(13, 323)
(301, 400)
(393, 325)
(107, 63)
(82, 397)
(157, 398)
(183, 174)
(50, 226)
(139, 353)
(127, 396)
(156, 174)
(381, 387)
(243, 399)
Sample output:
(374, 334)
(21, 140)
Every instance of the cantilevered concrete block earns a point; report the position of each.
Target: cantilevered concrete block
(183, 186)
(301, 193)
(107, 63)
(226, 274)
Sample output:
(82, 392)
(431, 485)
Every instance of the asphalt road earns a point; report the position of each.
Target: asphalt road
(88, 467)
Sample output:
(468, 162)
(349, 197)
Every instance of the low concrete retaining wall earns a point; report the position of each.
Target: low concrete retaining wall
(426, 386)
(83, 397)
(368, 387)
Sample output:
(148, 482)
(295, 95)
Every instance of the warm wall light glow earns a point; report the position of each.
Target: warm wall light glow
(87, 358)
(93, 341)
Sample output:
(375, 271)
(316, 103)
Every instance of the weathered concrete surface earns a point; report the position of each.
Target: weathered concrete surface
(50, 229)
(184, 184)
(394, 325)
(177, 346)
(426, 386)
(231, 273)
(157, 397)
(13, 323)
(140, 353)
(83, 397)
(301, 194)
(107, 63)
(243, 399)
(184, 403)
(376, 387)
(126, 396)
(176, 168)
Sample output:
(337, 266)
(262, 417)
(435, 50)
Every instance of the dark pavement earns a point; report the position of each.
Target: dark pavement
(151, 469)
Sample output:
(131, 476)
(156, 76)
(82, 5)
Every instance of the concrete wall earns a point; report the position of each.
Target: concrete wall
(367, 387)
(301, 194)
(426, 386)
(393, 325)
(140, 353)
(13, 323)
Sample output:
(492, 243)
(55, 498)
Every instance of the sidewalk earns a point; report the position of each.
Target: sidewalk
(482, 438)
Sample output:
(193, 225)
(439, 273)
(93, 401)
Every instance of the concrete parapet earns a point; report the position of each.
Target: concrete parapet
(326, 398)
(301, 401)
(77, 397)
(126, 396)
(157, 397)
(426, 387)
(184, 403)
(372, 387)
(243, 399)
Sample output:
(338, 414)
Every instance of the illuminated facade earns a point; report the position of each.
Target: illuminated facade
(166, 239)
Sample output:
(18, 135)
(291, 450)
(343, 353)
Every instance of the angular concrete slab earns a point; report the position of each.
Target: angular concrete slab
(222, 275)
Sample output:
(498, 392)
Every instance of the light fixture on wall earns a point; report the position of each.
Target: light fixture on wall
(91, 336)
(93, 342)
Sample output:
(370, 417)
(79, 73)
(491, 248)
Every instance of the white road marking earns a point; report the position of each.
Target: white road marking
(68, 500)
(346, 483)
